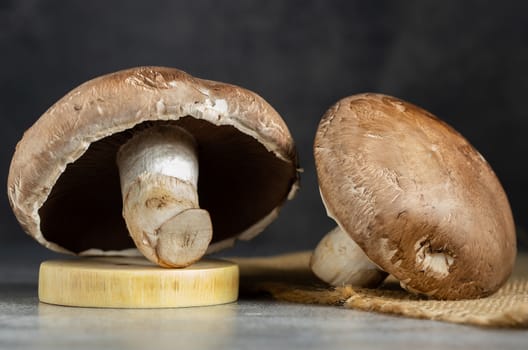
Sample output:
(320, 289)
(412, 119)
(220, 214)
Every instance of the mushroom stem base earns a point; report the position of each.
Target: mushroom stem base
(159, 175)
(338, 260)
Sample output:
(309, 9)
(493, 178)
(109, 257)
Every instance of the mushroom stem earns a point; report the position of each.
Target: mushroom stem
(158, 168)
(338, 260)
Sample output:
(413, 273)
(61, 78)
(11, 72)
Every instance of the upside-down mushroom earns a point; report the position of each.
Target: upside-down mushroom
(152, 158)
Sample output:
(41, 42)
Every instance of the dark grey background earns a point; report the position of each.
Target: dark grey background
(467, 62)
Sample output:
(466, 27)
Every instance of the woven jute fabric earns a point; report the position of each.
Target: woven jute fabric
(288, 278)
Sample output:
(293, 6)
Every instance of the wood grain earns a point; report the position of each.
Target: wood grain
(136, 283)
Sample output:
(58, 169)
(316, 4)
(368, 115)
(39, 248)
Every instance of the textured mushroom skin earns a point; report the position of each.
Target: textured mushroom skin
(116, 102)
(420, 201)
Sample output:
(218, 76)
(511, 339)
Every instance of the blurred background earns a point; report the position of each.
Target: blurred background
(466, 62)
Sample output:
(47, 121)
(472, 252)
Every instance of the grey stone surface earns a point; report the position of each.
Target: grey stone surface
(248, 324)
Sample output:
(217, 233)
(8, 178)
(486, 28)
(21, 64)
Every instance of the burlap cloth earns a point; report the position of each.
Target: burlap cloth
(288, 278)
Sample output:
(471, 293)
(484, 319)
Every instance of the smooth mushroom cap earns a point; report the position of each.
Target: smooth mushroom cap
(420, 201)
(63, 182)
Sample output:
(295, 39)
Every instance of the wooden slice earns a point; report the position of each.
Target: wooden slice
(136, 283)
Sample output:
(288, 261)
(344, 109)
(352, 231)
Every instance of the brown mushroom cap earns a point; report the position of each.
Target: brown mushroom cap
(420, 201)
(63, 181)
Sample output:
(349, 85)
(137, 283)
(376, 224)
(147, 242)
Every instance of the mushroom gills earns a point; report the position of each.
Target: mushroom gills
(158, 170)
(338, 260)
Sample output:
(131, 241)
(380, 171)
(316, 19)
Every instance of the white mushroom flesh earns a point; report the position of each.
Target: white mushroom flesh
(338, 260)
(158, 169)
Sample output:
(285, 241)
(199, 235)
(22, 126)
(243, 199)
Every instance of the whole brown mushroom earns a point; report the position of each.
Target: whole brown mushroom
(113, 165)
(411, 198)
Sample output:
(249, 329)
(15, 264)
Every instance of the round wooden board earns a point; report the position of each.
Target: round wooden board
(136, 283)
